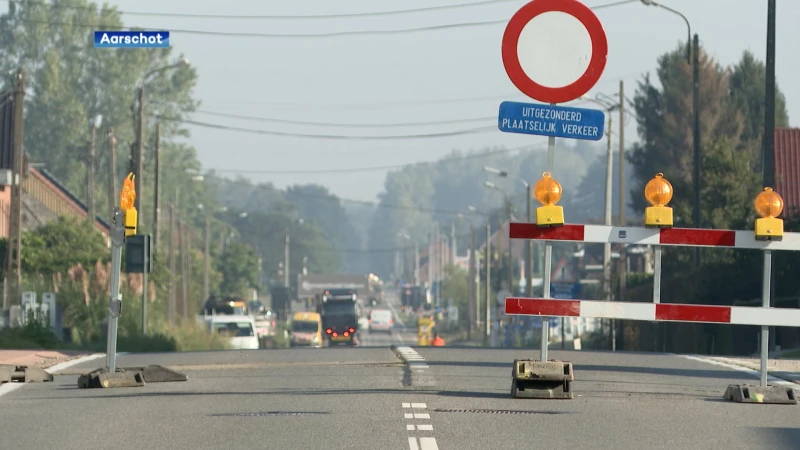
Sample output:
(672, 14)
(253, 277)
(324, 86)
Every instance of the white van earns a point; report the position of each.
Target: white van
(240, 329)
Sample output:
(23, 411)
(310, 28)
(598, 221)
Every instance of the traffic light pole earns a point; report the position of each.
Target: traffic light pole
(115, 299)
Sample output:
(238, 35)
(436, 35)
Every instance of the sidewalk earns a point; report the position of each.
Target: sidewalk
(785, 369)
(38, 358)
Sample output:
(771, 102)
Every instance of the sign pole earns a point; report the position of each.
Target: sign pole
(548, 258)
(115, 299)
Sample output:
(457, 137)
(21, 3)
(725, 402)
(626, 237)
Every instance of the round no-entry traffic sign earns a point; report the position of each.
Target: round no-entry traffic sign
(554, 51)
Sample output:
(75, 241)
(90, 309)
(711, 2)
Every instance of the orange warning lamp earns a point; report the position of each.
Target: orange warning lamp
(547, 191)
(126, 199)
(769, 206)
(658, 192)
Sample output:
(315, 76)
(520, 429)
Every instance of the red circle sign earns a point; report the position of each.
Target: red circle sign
(585, 82)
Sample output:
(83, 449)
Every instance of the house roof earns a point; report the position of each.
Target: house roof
(787, 168)
(68, 196)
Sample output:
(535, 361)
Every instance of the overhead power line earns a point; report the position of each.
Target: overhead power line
(278, 16)
(300, 35)
(382, 168)
(347, 125)
(330, 136)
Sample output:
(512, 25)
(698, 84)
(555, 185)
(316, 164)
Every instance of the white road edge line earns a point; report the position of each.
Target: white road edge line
(5, 388)
(747, 370)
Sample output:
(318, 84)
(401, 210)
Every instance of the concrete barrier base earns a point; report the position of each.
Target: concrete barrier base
(745, 393)
(542, 379)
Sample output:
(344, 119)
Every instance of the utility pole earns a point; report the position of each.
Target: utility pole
(157, 194)
(529, 242)
(207, 259)
(510, 249)
(607, 221)
(768, 155)
(430, 258)
(138, 157)
(172, 234)
(696, 140)
(286, 260)
(473, 291)
(90, 208)
(623, 249)
(183, 265)
(112, 172)
(416, 264)
(488, 259)
(453, 243)
(14, 255)
(186, 269)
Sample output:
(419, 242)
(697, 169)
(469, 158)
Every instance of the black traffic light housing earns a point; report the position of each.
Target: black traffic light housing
(138, 254)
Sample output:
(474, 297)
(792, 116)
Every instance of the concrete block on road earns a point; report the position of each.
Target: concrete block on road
(157, 374)
(24, 374)
(541, 379)
(101, 378)
(745, 393)
(530, 369)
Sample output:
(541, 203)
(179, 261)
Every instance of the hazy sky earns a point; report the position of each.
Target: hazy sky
(440, 75)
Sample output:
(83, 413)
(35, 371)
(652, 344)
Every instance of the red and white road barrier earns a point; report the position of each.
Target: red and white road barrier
(654, 312)
(686, 237)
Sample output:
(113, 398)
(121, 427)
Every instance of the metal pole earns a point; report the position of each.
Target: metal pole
(529, 243)
(454, 243)
(157, 194)
(90, 207)
(171, 305)
(607, 245)
(138, 158)
(488, 258)
(696, 139)
(286, 260)
(548, 259)
(115, 299)
(430, 258)
(181, 240)
(144, 288)
(474, 290)
(657, 275)
(416, 264)
(112, 173)
(207, 259)
(768, 158)
(765, 299)
(623, 249)
(186, 268)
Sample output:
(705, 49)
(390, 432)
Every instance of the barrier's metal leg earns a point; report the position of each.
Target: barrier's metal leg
(548, 268)
(765, 298)
(657, 274)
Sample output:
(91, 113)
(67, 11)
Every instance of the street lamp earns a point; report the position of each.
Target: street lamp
(693, 58)
(138, 157)
(529, 218)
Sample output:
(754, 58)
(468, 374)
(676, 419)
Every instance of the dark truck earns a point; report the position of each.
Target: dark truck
(339, 311)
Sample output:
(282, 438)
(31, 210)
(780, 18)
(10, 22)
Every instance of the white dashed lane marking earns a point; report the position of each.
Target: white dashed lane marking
(423, 443)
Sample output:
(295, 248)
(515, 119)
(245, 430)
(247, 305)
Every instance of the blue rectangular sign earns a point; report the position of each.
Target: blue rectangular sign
(131, 39)
(548, 120)
(566, 291)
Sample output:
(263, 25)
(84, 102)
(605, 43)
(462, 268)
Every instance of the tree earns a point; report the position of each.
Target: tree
(747, 91)
(316, 204)
(665, 126)
(238, 265)
(266, 233)
(57, 246)
(455, 287)
(68, 82)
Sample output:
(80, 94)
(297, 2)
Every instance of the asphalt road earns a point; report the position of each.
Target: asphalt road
(360, 398)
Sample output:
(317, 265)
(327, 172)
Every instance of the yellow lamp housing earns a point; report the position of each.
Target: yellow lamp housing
(769, 205)
(658, 192)
(129, 221)
(547, 191)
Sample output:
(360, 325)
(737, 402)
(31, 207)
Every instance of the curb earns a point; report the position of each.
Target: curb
(731, 364)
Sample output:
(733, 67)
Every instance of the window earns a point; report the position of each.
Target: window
(339, 308)
(305, 326)
(234, 329)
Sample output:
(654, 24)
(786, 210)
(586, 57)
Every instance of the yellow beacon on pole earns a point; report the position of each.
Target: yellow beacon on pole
(658, 192)
(769, 206)
(547, 192)
(126, 198)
